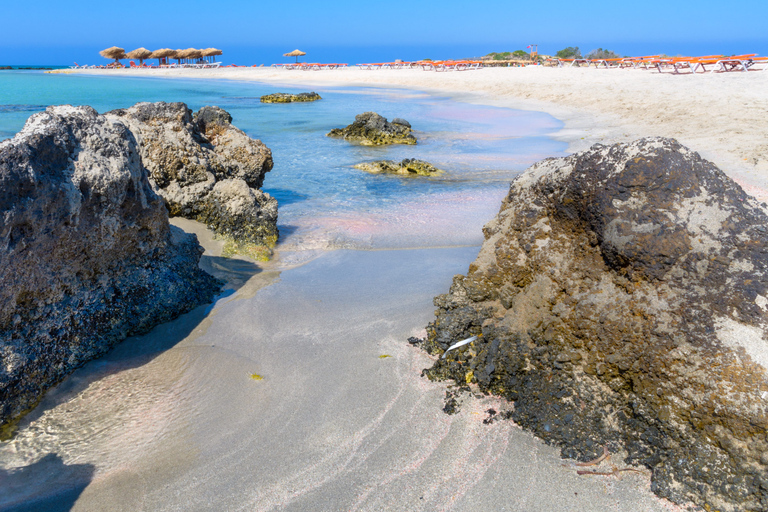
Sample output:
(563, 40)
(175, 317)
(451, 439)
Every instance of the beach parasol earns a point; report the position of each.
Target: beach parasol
(193, 53)
(140, 54)
(113, 52)
(211, 52)
(294, 53)
(189, 53)
(162, 55)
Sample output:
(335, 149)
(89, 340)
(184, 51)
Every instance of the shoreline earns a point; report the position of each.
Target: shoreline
(721, 116)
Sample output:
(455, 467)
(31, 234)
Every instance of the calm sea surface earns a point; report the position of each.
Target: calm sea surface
(324, 202)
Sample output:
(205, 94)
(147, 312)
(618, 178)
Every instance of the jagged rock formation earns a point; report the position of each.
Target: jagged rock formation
(206, 169)
(87, 256)
(282, 97)
(620, 298)
(408, 167)
(371, 129)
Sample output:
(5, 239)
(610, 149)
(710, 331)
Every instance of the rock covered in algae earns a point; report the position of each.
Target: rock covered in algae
(371, 129)
(620, 298)
(206, 169)
(87, 256)
(407, 167)
(282, 97)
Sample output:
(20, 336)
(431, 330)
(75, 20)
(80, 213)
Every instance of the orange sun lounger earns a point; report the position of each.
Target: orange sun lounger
(732, 63)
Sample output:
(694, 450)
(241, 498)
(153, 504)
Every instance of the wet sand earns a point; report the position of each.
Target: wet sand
(336, 418)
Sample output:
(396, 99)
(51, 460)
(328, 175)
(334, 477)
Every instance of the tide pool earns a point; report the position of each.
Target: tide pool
(324, 203)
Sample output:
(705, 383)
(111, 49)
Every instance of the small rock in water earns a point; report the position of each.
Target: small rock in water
(407, 167)
(282, 97)
(371, 129)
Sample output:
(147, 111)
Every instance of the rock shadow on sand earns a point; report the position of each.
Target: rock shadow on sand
(240, 276)
(61, 485)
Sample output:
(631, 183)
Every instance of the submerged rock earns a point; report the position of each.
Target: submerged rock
(206, 169)
(282, 97)
(371, 129)
(408, 167)
(87, 256)
(620, 298)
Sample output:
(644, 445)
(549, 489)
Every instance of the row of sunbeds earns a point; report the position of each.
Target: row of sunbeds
(675, 65)
(133, 65)
(427, 65)
(443, 65)
(308, 66)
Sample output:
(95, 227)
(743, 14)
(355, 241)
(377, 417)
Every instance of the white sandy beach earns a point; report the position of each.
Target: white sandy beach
(342, 419)
(720, 115)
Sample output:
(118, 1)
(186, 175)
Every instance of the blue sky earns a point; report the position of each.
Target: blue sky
(54, 32)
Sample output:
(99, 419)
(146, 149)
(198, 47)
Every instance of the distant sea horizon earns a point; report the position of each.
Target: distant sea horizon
(257, 55)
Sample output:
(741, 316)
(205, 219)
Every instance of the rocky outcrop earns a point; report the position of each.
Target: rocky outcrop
(87, 256)
(371, 129)
(282, 97)
(206, 169)
(620, 299)
(408, 167)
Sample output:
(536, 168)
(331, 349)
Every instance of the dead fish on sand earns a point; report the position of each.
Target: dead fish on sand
(460, 344)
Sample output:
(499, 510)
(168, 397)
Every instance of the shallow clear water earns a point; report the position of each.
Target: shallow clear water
(325, 202)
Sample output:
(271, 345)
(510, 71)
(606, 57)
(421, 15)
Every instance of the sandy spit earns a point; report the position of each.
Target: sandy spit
(720, 115)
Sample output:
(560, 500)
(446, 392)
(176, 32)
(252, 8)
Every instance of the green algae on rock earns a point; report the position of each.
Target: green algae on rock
(371, 129)
(282, 97)
(620, 298)
(407, 167)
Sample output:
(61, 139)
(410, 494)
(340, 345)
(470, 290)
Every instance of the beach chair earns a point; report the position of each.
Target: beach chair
(644, 62)
(580, 62)
(759, 61)
(734, 63)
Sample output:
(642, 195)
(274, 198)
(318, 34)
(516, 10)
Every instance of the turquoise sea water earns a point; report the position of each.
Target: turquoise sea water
(324, 203)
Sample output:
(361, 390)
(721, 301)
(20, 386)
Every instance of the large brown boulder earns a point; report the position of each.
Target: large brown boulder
(206, 169)
(87, 256)
(620, 299)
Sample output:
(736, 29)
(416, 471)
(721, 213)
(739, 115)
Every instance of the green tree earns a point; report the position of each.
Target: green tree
(499, 55)
(520, 54)
(602, 54)
(572, 52)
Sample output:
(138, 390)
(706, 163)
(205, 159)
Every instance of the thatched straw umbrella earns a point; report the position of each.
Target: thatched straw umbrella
(162, 55)
(193, 54)
(212, 52)
(189, 53)
(178, 56)
(113, 52)
(294, 53)
(140, 54)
